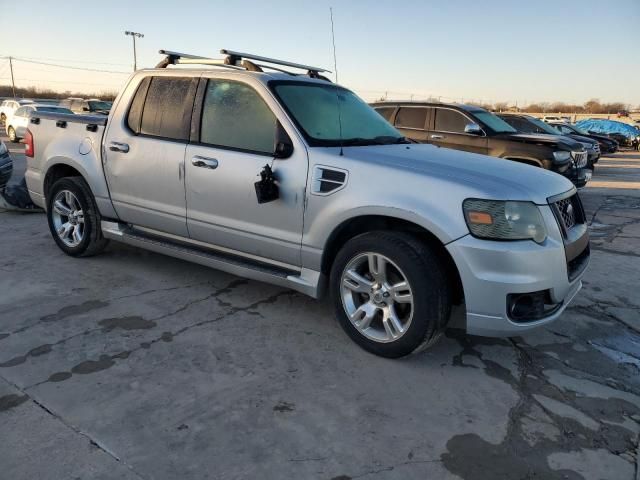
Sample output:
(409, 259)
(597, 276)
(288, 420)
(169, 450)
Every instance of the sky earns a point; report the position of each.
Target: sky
(462, 50)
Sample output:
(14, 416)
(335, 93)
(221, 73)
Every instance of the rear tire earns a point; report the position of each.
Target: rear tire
(3, 118)
(391, 293)
(12, 135)
(73, 217)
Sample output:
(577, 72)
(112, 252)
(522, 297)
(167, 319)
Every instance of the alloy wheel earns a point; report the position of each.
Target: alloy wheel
(68, 218)
(377, 297)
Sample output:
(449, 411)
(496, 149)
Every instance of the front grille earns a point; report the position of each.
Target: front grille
(569, 212)
(565, 209)
(579, 159)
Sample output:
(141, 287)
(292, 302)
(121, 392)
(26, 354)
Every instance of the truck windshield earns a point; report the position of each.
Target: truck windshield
(324, 111)
(494, 122)
(579, 131)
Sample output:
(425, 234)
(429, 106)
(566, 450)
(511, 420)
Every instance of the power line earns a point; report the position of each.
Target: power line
(67, 66)
(71, 61)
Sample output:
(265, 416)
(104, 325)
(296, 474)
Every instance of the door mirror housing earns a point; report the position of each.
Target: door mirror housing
(472, 129)
(283, 146)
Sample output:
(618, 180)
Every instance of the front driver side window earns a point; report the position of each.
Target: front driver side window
(450, 121)
(236, 117)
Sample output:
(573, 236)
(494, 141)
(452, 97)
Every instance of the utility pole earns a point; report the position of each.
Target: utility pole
(13, 82)
(133, 36)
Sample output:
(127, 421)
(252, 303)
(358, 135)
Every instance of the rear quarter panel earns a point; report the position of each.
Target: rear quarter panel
(73, 146)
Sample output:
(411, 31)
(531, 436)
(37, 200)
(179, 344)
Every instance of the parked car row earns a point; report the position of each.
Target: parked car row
(474, 129)
(15, 113)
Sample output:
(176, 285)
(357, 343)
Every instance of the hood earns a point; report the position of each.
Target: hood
(602, 138)
(483, 176)
(561, 141)
(582, 139)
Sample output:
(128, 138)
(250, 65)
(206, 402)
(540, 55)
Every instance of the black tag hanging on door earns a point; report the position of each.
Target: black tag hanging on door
(266, 187)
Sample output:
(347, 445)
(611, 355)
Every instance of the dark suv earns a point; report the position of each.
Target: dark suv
(473, 129)
(528, 124)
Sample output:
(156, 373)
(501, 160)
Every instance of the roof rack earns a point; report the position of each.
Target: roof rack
(239, 61)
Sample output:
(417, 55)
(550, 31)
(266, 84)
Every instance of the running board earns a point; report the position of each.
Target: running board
(306, 281)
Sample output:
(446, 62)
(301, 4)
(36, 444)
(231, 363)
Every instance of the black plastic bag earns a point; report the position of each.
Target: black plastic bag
(17, 195)
(6, 168)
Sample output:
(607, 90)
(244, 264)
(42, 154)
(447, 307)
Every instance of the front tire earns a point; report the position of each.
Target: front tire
(74, 220)
(390, 293)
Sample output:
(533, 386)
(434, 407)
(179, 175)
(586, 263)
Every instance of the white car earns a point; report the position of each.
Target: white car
(16, 124)
(8, 108)
(553, 118)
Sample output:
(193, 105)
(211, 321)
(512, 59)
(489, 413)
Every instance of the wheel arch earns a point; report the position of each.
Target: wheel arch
(57, 171)
(359, 225)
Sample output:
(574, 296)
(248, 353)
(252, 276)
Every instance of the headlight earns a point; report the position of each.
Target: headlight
(504, 220)
(3, 149)
(562, 155)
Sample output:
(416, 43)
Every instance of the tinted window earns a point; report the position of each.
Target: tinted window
(235, 116)
(519, 124)
(411, 117)
(21, 112)
(135, 111)
(167, 109)
(450, 121)
(386, 112)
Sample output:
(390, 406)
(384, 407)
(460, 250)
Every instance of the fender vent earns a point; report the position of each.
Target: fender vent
(327, 180)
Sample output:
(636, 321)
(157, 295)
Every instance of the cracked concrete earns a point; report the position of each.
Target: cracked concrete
(133, 365)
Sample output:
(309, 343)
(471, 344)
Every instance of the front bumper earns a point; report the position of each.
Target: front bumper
(579, 176)
(492, 270)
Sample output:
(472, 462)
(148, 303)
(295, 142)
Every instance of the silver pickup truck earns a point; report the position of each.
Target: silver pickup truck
(290, 179)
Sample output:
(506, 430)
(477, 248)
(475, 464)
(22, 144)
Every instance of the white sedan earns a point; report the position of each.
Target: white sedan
(16, 124)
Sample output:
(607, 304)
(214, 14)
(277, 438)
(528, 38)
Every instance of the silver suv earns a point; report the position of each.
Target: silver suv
(291, 179)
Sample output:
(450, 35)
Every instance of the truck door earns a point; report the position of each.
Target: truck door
(449, 131)
(144, 152)
(234, 140)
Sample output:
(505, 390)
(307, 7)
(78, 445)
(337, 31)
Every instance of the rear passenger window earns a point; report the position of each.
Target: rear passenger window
(386, 112)
(167, 108)
(450, 121)
(135, 111)
(411, 117)
(235, 116)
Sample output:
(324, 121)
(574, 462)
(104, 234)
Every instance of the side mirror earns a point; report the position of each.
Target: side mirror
(472, 129)
(85, 109)
(283, 146)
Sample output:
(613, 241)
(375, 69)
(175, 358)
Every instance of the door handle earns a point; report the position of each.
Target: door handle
(118, 147)
(204, 162)
(437, 137)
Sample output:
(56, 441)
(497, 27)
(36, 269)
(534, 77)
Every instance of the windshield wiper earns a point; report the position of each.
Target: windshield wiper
(380, 140)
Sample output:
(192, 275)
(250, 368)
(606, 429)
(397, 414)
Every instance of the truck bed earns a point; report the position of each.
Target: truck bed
(63, 140)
